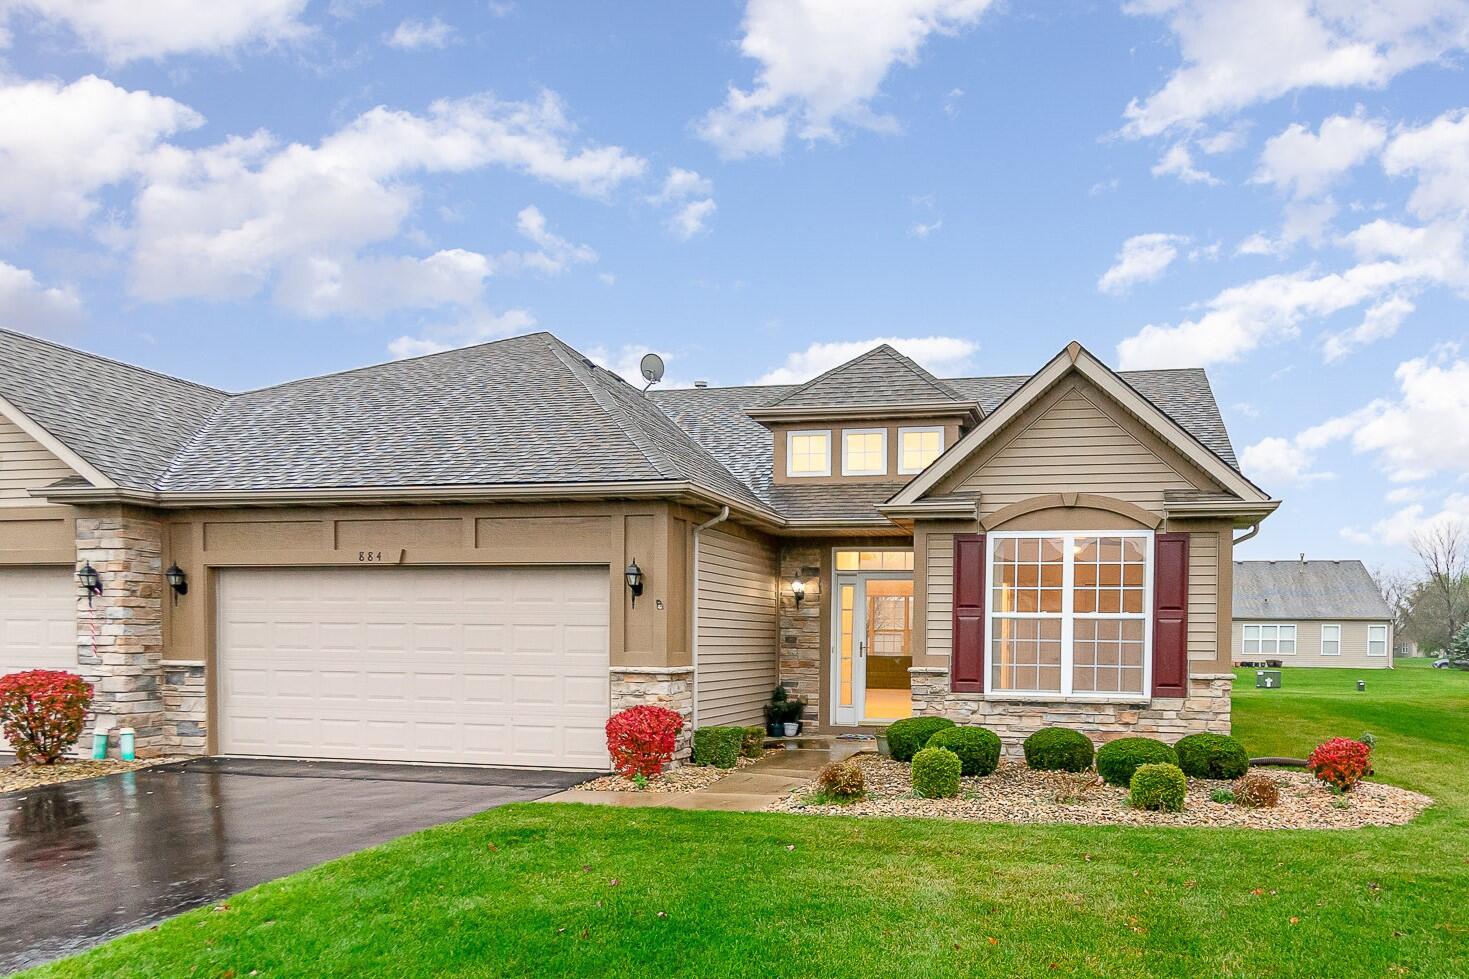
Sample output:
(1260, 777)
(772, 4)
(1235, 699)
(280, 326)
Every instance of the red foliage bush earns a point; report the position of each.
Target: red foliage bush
(1340, 762)
(641, 739)
(42, 713)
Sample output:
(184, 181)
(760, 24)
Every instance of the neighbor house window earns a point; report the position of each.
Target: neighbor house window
(808, 454)
(1068, 613)
(1331, 640)
(865, 452)
(1377, 640)
(917, 447)
(1269, 639)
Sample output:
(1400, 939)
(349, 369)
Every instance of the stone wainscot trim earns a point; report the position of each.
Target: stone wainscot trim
(660, 686)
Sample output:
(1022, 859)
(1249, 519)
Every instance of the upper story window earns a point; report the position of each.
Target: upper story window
(865, 452)
(808, 454)
(918, 447)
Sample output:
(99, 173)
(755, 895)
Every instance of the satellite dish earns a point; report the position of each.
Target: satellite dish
(652, 367)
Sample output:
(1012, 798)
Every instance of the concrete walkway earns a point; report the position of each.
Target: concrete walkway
(749, 789)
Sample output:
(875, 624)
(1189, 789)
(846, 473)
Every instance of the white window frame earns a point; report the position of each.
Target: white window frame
(922, 430)
(1324, 640)
(790, 454)
(1068, 617)
(1385, 634)
(883, 455)
(1244, 637)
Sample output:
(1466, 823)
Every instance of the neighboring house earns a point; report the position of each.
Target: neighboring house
(1310, 613)
(475, 556)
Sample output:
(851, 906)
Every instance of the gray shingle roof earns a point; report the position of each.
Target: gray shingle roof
(835, 502)
(1306, 590)
(879, 376)
(126, 421)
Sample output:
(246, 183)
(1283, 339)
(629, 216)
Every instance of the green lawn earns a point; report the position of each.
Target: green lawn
(591, 891)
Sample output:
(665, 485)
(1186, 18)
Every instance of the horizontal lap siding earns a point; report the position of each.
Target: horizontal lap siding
(1203, 596)
(940, 588)
(25, 464)
(1308, 644)
(739, 636)
(1074, 447)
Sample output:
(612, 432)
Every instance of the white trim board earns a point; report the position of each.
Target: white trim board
(55, 446)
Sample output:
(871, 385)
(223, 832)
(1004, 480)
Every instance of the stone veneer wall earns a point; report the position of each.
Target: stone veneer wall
(800, 628)
(660, 686)
(1205, 709)
(120, 632)
(185, 708)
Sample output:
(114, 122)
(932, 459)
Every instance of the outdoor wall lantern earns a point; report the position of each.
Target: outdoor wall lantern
(798, 589)
(90, 580)
(634, 576)
(177, 580)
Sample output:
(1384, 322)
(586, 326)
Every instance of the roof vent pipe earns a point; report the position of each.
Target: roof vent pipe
(701, 384)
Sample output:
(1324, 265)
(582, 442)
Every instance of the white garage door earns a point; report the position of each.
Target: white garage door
(37, 620)
(488, 666)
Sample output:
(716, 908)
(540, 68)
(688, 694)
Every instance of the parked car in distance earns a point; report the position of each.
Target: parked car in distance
(1442, 663)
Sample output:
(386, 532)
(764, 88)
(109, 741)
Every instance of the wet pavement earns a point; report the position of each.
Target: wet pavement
(83, 862)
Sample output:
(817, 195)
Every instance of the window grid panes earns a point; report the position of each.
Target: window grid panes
(810, 454)
(874, 560)
(1268, 639)
(864, 453)
(917, 448)
(1331, 640)
(1377, 640)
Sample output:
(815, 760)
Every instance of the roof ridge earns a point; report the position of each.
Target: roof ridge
(114, 361)
(887, 349)
(193, 440)
(922, 373)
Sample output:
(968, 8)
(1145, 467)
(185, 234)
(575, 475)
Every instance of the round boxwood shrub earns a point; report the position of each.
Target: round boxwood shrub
(1059, 749)
(905, 737)
(1117, 760)
(1212, 756)
(1161, 788)
(978, 748)
(936, 773)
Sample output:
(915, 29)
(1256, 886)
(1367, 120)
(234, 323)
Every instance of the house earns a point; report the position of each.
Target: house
(1310, 613)
(475, 556)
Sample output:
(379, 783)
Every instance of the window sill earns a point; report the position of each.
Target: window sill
(1056, 698)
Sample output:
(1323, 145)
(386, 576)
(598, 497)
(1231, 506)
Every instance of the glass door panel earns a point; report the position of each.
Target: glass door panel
(888, 627)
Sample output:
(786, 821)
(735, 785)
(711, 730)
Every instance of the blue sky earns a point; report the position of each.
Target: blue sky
(1277, 190)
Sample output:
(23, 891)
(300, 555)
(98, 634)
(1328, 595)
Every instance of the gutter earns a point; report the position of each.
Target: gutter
(718, 518)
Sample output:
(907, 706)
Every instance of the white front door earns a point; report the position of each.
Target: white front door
(872, 636)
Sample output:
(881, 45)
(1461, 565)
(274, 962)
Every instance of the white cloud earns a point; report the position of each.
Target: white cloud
(1142, 258)
(126, 30)
(1277, 461)
(1400, 528)
(60, 145)
(922, 230)
(554, 254)
(415, 35)
(1438, 155)
(626, 362)
(681, 184)
(822, 62)
(30, 307)
(1404, 494)
(1235, 53)
(692, 197)
(1304, 164)
(320, 285)
(942, 356)
(1380, 322)
(692, 218)
(477, 327)
(1178, 162)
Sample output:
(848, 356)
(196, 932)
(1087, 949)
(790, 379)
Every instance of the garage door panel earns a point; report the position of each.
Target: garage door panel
(37, 619)
(472, 665)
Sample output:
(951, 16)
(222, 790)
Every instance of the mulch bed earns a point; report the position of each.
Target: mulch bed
(1017, 794)
(18, 776)
(685, 778)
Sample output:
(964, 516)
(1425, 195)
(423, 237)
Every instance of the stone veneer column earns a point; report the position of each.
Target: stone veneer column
(800, 628)
(660, 686)
(120, 634)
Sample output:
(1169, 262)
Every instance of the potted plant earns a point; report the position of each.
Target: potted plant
(783, 713)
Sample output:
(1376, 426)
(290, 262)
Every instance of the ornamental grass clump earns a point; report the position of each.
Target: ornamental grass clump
(1117, 760)
(42, 713)
(1341, 763)
(905, 737)
(1158, 788)
(1059, 749)
(1256, 791)
(1212, 756)
(752, 745)
(978, 748)
(936, 773)
(641, 740)
(841, 781)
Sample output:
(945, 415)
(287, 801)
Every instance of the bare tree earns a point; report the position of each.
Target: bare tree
(1398, 589)
(1443, 550)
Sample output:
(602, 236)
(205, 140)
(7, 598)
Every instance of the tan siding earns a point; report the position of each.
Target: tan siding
(940, 585)
(1203, 596)
(24, 464)
(738, 629)
(1074, 447)
(1308, 644)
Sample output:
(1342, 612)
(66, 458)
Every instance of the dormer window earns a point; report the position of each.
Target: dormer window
(808, 454)
(918, 448)
(865, 452)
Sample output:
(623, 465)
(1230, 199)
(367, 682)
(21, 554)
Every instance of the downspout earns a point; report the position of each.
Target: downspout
(1254, 529)
(718, 518)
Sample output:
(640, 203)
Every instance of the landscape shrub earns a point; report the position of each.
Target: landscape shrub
(718, 746)
(1222, 796)
(42, 713)
(905, 737)
(1256, 791)
(841, 780)
(978, 748)
(1117, 760)
(936, 773)
(1212, 756)
(1059, 749)
(1159, 788)
(752, 745)
(1340, 762)
(641, 739)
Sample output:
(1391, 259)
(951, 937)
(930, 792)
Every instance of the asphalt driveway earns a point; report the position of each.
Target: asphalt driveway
(83, 862)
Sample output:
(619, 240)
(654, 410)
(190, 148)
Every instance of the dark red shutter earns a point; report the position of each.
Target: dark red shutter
(1170, 615)
(966, 671)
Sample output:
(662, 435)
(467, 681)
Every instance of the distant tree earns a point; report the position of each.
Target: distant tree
(1443, 551)
(1458, 649)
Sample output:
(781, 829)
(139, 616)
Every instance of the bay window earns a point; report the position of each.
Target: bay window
(1069, 613)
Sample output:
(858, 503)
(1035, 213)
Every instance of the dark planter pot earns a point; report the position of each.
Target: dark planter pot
(772, 728)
